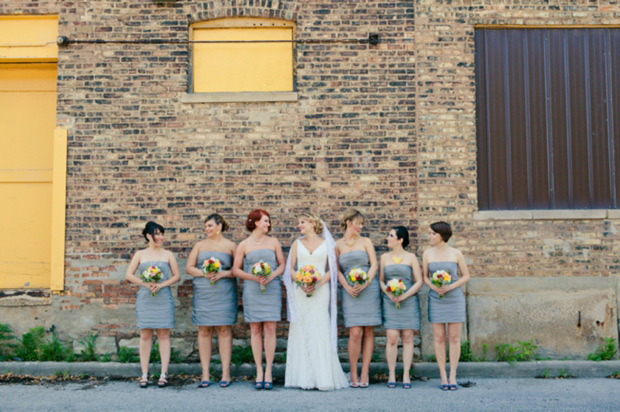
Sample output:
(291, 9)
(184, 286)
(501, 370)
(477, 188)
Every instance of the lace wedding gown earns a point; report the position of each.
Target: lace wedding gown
(311, 362)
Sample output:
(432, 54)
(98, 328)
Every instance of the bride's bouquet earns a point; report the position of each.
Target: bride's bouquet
(357, 275)
(262, 269)
(309, 276)
(396, 287)
(211, 265)
(441, 278)
(152, 274)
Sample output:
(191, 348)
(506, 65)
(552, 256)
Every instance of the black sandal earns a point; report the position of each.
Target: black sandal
(163, 380)
(144, 381)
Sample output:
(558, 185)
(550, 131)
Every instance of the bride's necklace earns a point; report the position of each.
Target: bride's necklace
(352, 243)
(255, 242)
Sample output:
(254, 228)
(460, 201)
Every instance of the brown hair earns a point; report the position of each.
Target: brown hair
(349, 216)
(219, 220)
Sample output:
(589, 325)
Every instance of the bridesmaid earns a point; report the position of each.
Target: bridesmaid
(214, 305)
(261, 310)
(400, 322)
(361, 304)
(449, 309)
(154, 312)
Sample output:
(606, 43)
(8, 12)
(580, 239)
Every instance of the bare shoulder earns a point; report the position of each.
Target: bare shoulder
(274, 242)
(170, 255)
(367, 242)
(230, 244)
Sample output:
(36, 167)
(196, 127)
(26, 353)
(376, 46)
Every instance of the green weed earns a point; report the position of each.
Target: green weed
(88, 353)
(242, 354)
(127, 355)
(7, 347)
(606, 351)
(521, 352)
(29, 348)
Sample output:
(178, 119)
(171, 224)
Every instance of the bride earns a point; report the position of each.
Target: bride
(312, 354)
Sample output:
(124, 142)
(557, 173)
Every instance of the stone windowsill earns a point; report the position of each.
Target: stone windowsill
(559, 214)
(232, 97)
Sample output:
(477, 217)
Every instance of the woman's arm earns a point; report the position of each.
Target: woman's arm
(417, 278)
(464, 278)
(426, 275)
(131, 270)
(192, 260)
(372, 257)
(238, 264)
(342, 278)
(382, 274)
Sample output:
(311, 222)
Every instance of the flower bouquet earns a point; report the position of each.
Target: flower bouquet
(309, 276)
(262, 269)
(357, 275)
(396, 287)
(211, 265)
(152, 274)
(441, 278)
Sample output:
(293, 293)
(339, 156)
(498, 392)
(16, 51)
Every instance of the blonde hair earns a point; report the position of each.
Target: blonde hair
(315, 220)
(349, 216)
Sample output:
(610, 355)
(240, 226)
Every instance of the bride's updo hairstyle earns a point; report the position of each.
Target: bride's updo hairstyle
(315, 220)
(349, 216)
(219, 220)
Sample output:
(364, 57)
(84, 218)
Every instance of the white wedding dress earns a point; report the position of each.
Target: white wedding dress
(311, 362)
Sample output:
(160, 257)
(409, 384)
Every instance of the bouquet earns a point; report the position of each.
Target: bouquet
(441, 278)
(261, 269)
(152, 274)
(307, 275)
(211, 265)
(396, 287)
(357, 275)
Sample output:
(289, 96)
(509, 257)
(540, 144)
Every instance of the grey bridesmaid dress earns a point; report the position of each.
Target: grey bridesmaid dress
(408, 316)
(155, 312)
(257, 306)
(450, 308)
(365, 310)
(214, 305)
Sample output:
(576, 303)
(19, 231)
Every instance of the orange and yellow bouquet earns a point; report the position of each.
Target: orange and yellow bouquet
(262, 269)
(441, 278)
(152, 274)
(211, 265)
(309, 276)
(396, 287)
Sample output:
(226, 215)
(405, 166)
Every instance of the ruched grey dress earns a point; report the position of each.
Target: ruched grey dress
(215, 305)
(365, 310)
(450, 308)
(155, 312)
(408, 316)
(257, 306)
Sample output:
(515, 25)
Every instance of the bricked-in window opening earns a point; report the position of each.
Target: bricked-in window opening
(242, 55)
(548, 110)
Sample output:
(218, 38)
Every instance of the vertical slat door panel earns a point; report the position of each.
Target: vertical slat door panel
(547, 113)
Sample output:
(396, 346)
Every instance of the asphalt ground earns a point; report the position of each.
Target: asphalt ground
(482, 394)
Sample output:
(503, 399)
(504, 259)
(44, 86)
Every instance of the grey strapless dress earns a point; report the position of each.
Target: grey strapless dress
(155, 312)
(450, 308)
(257, 306)
(215, 305)
(408, 316)
(365, 310)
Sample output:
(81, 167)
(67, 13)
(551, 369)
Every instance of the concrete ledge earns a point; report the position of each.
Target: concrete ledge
(578, 369)
(558, 214)
(512, 285)
(232, 97)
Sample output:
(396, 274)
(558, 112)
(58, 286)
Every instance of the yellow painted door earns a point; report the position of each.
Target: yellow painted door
(27, 122)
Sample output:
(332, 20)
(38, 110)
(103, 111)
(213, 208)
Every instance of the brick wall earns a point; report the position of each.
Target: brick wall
(388, 129)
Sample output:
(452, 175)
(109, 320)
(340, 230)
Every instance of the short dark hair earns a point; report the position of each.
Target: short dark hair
(402, 233)
(219, 220)
(151, 228)
(443, 229)
(255, 216)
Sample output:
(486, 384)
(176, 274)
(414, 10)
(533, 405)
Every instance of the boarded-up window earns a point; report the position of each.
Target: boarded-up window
(242, 55)
(548, 111)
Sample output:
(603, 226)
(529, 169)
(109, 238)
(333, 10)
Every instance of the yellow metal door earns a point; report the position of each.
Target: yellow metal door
(27, 122)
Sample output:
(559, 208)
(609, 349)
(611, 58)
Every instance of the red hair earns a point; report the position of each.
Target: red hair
(255, 216)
